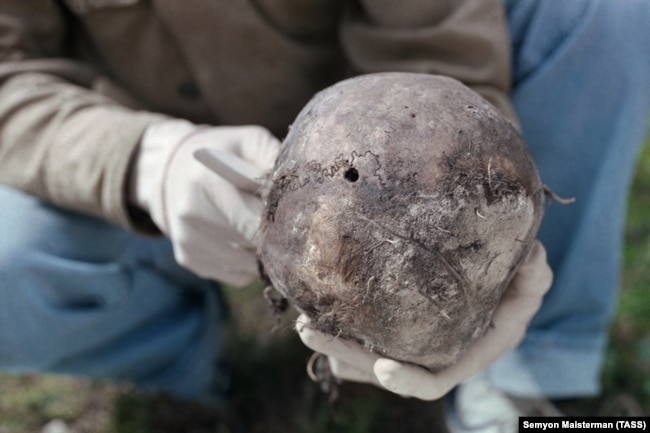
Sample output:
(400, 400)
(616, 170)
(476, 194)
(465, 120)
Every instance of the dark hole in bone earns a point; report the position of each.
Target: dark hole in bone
(351, 174)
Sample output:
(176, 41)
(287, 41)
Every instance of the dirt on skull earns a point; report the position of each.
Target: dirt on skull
(400, 207)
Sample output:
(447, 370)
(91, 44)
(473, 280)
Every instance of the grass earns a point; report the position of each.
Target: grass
(627, 368)
(272, 393)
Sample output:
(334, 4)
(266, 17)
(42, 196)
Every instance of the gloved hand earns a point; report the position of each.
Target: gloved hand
(520, 302)
(210, 209)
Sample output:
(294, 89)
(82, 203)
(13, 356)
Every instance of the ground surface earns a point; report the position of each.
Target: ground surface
(272, 393)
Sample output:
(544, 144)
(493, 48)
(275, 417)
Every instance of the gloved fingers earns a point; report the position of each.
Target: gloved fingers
(214, 241)
(224, 255)
(261, 148)
(216, 199)
(213, 225)
(412, 381)
(523, 297)
(343, 350)
(534, 277)
(343, 370)
(243, 213)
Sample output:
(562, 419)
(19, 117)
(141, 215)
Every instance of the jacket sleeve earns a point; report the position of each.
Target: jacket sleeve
(463, 39)
(60, 140)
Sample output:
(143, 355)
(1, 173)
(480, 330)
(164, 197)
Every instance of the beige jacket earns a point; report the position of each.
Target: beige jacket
(80, 80)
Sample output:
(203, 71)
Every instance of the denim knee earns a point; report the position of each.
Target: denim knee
(30, 226)
(582, 92)
(53, 264)
(541, 30)
(42, 248)
(80, 296)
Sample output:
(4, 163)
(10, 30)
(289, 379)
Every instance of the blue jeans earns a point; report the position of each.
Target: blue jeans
(80, 296)
(582, 90)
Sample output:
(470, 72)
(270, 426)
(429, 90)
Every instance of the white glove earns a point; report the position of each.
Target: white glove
(210, 209)
(349, 361)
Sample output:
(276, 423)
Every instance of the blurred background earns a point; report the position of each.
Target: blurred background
(271, 390)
